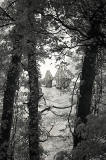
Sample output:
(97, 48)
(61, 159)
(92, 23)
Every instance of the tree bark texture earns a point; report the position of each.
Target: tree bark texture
(8, 105)
(87, 80)
(88, 74)
(30, 42)
(16, 37)
(33, 108)
(86, 86)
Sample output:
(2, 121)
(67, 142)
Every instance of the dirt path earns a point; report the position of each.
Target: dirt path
(60, 137)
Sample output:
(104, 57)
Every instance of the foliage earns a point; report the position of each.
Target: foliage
(60, 26)
(95, 144)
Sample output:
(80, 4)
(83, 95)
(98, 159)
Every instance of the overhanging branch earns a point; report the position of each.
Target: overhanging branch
(6, 14)
(5, 25)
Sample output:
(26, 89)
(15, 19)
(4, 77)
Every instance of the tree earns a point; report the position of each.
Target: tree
(48, 79)
(31, 28)
(27, 29)
(8, 100)
(11, 85)
(89, 65)
(84, 20)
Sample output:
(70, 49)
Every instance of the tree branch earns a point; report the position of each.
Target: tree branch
(46, 109)
(10, 4)
(6, 14)
(4, 25)
(70, 27)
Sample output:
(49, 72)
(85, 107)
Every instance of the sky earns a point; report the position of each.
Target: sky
(49, 64)
(1, 1)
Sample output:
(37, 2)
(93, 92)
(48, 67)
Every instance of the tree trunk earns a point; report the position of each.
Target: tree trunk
(86, 86)
(33, 108)
(31, 29)
(11, 87)
(88, 75)
(8, 105)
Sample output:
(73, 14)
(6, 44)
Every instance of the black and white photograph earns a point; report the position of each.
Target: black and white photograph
(52, 79)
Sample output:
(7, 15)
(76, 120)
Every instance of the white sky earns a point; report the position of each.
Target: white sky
(49, 64)
(1, 1)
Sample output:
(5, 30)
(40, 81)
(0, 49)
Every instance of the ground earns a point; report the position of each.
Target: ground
(56, 120)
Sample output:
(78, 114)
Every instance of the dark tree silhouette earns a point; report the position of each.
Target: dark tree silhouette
(8, 100)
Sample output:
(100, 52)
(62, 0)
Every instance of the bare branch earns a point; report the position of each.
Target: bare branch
(46, 109)
(61, 107)
(6, 14)
(10, 4)
(72, 103)
(48, 135)
(5, 25)
(70, 27)
(60, 115)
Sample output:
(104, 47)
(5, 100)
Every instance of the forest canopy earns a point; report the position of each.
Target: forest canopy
(74, 33)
